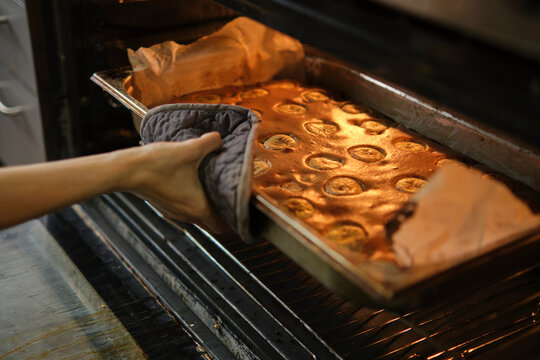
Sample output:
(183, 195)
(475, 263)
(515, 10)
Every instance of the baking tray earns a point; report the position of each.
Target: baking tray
(371, 284)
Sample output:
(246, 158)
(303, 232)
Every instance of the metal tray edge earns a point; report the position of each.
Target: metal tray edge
(112, 81)
(330, 272)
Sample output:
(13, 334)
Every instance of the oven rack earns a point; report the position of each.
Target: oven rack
(252, 301)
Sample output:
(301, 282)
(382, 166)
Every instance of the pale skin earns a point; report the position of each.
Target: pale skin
(165, 174)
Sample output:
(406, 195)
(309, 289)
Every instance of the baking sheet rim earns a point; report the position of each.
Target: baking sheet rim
(376, 289)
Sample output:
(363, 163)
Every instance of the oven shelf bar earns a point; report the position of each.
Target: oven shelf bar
(91, 213)
(301, 309)
(231, 310)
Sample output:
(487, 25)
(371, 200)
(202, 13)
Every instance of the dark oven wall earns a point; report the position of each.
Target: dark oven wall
(72, 39)
(443, 60)
(479, 58)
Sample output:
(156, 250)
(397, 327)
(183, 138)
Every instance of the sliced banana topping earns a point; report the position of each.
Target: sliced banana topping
(300, 207)
(445, 161)
(308, 178)
(321, 128)
(347, 235)
(291, 109)
(260, 166)
(316, 96)
(374, 127)
(324, 162)
(209, 98)
(253, 93)
(292, 186)
(367, 153)
(343, 186)
(410, 185)
(280, 142)
(410, 145)
(354, 109)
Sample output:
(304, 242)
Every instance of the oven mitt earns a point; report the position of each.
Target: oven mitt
(226, 174)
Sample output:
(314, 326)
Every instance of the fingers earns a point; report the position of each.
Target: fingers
(217, 226)
(174, 184)
(211, 221)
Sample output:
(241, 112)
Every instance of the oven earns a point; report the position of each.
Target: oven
(251, 300)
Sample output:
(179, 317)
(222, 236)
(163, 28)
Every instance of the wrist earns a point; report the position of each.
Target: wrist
(125, 165)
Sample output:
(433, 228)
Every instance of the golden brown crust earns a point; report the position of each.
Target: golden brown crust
(339, 167)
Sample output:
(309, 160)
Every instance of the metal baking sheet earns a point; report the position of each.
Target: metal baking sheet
(363, 283)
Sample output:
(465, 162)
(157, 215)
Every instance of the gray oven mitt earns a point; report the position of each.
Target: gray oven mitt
(226, 174)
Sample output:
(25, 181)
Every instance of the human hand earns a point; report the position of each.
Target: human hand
(166, 174)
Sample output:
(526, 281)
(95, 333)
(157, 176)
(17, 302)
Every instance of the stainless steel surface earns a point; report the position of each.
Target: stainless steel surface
(49, 310)
(112, 81)
(21, 131)
(15, 44)
(366, 282)
(3, 19)
(10, 110)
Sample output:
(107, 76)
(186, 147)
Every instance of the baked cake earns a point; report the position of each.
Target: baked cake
(339, 167)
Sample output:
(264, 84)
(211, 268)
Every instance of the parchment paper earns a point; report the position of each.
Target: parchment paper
(461, 213)
(243, 52)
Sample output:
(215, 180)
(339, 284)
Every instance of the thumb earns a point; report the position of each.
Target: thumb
(207, 143)
(211, 141)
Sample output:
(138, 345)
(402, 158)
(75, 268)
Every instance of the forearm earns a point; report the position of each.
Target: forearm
(30, 191)
(165, 174)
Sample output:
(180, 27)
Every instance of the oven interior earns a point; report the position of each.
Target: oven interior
(263, 305)
(250, 299)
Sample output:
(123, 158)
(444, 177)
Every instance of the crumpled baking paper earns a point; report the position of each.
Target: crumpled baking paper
(243, 52)
(460, 213)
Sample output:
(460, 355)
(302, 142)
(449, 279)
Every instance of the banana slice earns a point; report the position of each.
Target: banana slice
(324, 162)
(367, 153)
(374, 127)
(308, 178)
(348, 236)
(410, 185)
(354, 109)
(300, 207)
(321, 128)
(410, 145)
(280, 142)
(260, 166)
(253, 93)
(292, 186)
(316, 96)
(343, 186)
(208, 98)
(291, 109)
(445, 161)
